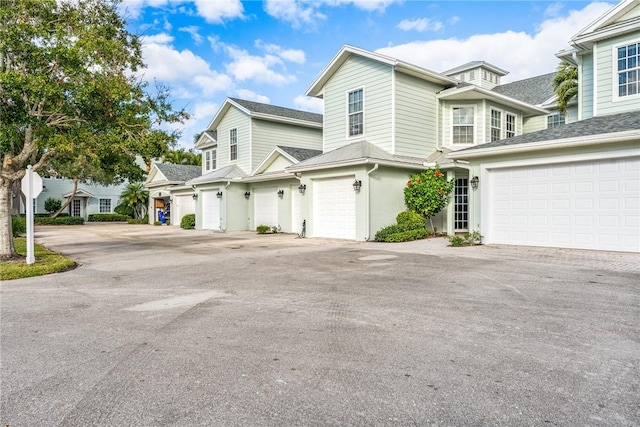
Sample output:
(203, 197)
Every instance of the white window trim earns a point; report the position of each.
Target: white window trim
(614, 77)
(100, 205)
(207, 160)
(503, 124)
(236, 144)
(515, 124)
(214, 158)
(362, 135)
(475, 125)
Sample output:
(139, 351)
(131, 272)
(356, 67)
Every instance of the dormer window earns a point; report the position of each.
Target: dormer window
(356, 112)
(628, 58)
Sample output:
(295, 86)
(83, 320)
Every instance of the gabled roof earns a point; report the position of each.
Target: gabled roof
(231, 172)
(178, 173)
(535, 90)
(361, 152)
(292, 154)
(273, 113)
(475, 64)
(300, 154)
(601, 129)
(404, 67)
(472, 92)
(80, 192)
(207, 139)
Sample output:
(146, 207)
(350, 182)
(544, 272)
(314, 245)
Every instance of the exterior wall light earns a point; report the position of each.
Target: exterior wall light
(247, 194)
(302, 188)
(219, 194)
(195, 196)
(357, 185)
(281, 193)
(474, 182)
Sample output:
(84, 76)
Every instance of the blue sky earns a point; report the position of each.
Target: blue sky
(271, 51)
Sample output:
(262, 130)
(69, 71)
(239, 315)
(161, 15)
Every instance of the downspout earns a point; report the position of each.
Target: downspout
(578, 61)
(224, 229)
(368, 200)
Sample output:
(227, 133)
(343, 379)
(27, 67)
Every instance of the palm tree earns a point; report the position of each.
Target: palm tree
(182, 157)
(565, 84)
(136, 198)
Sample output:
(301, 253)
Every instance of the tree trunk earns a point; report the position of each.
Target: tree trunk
(69, 200)
(7, 250)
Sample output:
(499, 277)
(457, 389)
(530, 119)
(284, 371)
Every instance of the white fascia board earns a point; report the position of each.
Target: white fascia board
(269, 177)
(424, 74)
(605, 18)
(580, 141)
(205, 141)
(280, 119)
(356, 162)
(523, 106)
(195, 182)
(609, 32)
(275, 151)
(155, 184)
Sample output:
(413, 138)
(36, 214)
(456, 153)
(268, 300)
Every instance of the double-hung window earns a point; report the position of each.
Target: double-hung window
(214, 159)
(554, 120)
(233, 144)
(510, 129)
(463, 125)
(105, 206)
(207, 160)
(356, 112)
(628, 58)
(496, 125)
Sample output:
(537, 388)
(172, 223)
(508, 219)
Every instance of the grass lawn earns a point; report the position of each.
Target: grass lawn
(47, 262)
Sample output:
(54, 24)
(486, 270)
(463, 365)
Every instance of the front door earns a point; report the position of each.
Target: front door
(461, 205)
(75, 207)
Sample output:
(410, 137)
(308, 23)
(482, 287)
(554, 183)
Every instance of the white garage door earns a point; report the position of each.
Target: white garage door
(183, 205)
(586, 205)
(210, 210)
(265, 206)
(334, 208)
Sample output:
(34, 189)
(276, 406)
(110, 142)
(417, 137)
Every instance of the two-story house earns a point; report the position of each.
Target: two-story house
(245, 150)
(576, 185)
(385, 119)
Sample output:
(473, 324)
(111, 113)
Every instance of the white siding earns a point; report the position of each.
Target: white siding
(234, 118)
(375, 78)
(416, 119)
(607, 78)
(585, 98)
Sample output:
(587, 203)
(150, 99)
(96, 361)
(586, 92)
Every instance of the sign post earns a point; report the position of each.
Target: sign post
(31, 186)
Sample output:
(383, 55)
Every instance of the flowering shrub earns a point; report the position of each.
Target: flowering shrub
(427, 193)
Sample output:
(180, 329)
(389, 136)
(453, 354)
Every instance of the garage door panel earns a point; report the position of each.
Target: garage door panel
(334, 208)
(589, 205)
(265, 206)
(210, 210)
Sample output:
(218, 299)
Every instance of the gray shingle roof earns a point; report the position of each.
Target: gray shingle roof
(179, 173)
(593, 126)
(300, 154)
(534, 90)
(222, 174)
(356, 151)
(272, 110)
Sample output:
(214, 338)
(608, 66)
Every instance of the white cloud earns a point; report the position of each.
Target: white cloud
(420, 25)
(193, 30)
(217, 11)
(291, 55)
(167, 64)
(256, 68)
(370, 5)
(162, 38)
(213, 82)
(294, 12)
(252, 96)
(524, 55)
(307, 103)
(453, 20)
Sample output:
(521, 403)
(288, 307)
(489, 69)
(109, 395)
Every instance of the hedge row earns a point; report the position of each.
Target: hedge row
(107, 218)
(65, 220)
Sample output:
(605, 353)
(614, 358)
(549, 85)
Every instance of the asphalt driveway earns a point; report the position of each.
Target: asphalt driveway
(165, 327)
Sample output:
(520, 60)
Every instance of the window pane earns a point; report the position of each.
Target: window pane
(622, 64)
(622, 52)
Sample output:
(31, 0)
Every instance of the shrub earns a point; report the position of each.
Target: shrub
(188, 222)
(157, 223)
(400, 229)
(137, 221)
(456, 241)
(107, 218)
(469, 239)
(51, 205)
(18, 225)
(412, 220)
(407, 236)
(65, 220)
(263, 229)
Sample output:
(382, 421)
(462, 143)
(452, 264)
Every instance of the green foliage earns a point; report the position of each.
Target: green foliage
(565, 84)
(51, 205)
(407, 236)
(107, 218)
(64, 220)
(411, 219)
(157, 223)
(188, 222)
(47, 262)
(182, 157)
(137, 221)
(263, 229)
(427, 193)
(469, 239)
(18, 225)
(133, 199)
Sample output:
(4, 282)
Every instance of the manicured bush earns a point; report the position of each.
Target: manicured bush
(18, 225)
(65, 220)
(410, 226)
(107, 218)
(51, 205)
(263, 229)
(407, 236)
(456, 241)
(412, 220)
(188, 222)
(137, 221)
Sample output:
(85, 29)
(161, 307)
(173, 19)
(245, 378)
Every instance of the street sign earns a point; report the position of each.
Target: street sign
(36, 188)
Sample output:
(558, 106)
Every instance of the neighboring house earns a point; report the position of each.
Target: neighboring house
(385, 119)
(245, 151)
(89, 198)
(577, 185)
(168, 193)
